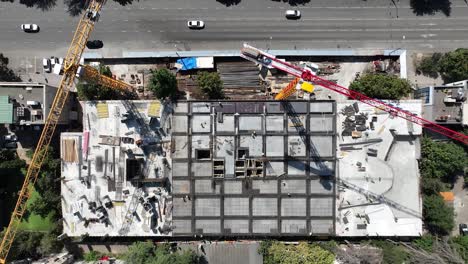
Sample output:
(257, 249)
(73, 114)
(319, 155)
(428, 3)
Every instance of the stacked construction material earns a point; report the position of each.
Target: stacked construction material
(69, 150)
(239, 75)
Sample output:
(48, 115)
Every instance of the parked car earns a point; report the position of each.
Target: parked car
(463, 229)
(30, 28)
(195, 24)
(47, 65)
(94, 44)
(10, 137)
(292, 14)
(11, 145)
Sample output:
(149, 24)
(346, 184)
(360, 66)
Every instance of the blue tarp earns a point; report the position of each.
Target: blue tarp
(188, 63)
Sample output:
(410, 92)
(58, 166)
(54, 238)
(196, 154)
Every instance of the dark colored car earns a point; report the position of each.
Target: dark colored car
(463, 230)
(94, 44)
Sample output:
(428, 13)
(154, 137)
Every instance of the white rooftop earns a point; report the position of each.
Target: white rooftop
(379, 181)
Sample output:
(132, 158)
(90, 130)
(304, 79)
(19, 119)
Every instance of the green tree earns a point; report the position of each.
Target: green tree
(392, 254)
(210, 84)
(7, 74)
(148, 253)
(163, 83)
(381, 86)
(426, 242)
(279, 253)
(92, 256)
(139, 253)
(441, 160)
(7, 155)
(47, 185)
(263, 250)
(438, 217)
(429, 66)
(91, 91)
(453, 66)
(460, 244)
(25, 245)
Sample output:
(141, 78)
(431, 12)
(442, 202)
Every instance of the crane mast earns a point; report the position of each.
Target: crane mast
(71, 64)
(258, 56)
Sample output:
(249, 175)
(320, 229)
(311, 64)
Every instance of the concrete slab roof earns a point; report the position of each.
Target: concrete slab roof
(378, 174)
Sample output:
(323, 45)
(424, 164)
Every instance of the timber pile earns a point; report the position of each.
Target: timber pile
(70, 152)
(238, 75)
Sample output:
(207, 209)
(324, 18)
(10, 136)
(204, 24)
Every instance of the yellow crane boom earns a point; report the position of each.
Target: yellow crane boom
(71, 64)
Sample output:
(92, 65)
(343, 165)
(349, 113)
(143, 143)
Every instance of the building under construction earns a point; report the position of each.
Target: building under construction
(239, 169)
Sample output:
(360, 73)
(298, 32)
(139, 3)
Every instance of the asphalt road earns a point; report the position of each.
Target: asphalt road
(154, 25)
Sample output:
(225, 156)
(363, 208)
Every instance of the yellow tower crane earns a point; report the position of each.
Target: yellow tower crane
(71, 68)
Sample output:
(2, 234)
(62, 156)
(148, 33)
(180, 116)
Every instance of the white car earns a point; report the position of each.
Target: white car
(46, 64)
(10, 137)
(30, 28)
(293, 14)
(195, 24)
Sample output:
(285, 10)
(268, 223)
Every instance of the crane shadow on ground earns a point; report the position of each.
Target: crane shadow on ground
(431, 7)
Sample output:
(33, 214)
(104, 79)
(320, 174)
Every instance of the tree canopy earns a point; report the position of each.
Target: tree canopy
(453, 66)
(211, 85)
(7, 74)
(460, 243)
(440, 162)
(91, 91)
(48, 187)
(381, 86)
(163, 84)
(429, 66)
(275, 252)
(392, 254)
(438, 217)
(148, 253)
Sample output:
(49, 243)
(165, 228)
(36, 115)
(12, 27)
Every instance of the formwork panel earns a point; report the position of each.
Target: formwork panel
(236, 226)
(293, 206)
(236, 206)
(264, 206)
(207, 207)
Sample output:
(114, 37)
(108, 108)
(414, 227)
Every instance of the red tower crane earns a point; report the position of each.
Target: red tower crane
(258, 56)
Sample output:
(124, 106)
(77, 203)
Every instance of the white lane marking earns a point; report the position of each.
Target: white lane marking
(126, 20)
(154, 8)
(426, 45)
(138, 20)
(124, 31)
(161, 31)
(428, 35)
(149, 31)
(428, 24)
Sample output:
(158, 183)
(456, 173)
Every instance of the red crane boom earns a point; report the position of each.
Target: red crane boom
(258, 56)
